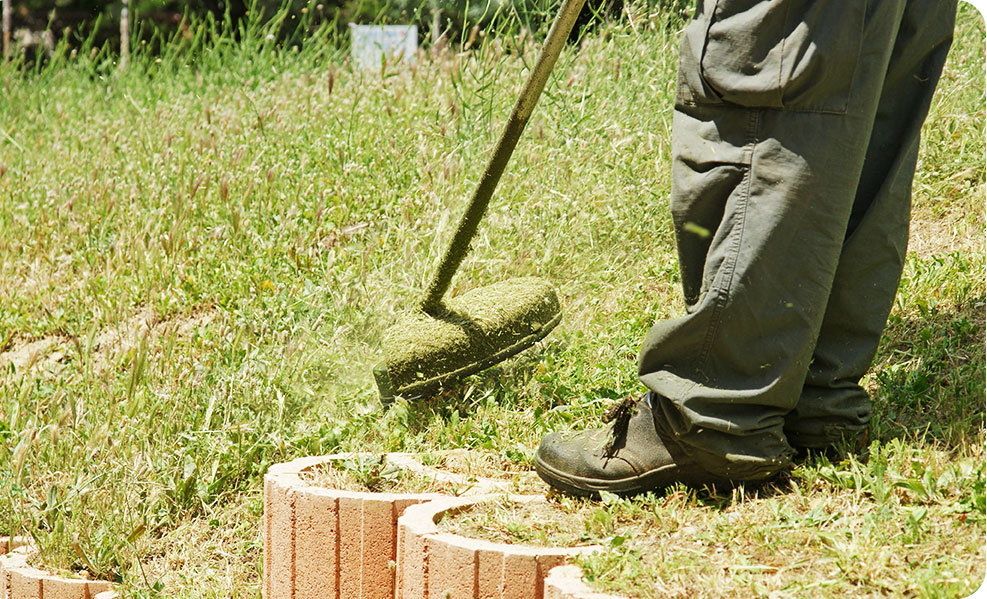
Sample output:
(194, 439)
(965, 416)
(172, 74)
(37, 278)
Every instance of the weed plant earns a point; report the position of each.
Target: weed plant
(200, 253)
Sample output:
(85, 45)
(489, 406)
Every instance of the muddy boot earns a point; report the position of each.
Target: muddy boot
(630, 455)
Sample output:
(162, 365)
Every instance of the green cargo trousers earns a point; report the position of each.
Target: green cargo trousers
(795, 138)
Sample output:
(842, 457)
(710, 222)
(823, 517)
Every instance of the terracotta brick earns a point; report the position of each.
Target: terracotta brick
(8, 544)
(399, 542)
(13, 549)
(436, 582)
(545, 562)
(552, 592)
(25, 583)
(489, 573)
(316, 545)
(403, 502)
(520, 575)
(269, 484)
(63, 588)
(454, 566)
(361, 554)
(350, 545)
(20, 581)
(559, 582)
(298, 465)
(280, 569)
(413, 563)
(351, 556)
(379, 547)
(453, 575)
(8, 563)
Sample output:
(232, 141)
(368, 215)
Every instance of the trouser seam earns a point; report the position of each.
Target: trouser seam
(722, 291)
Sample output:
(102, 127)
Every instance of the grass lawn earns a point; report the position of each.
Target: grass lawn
(198, 256)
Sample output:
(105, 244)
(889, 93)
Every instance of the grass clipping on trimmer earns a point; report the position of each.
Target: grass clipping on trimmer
(477, 330)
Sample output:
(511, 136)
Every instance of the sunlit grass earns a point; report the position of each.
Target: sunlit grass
(249, 218)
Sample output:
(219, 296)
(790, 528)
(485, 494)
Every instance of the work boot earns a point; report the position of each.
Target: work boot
(630, 455)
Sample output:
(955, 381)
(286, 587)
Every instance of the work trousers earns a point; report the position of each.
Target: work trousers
(795, 137)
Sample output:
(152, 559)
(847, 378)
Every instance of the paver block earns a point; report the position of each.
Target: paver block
(378, 547)
(520, 575)
(279, 542)
(436, 565)
(453, 569)
(328, 543)
(350, 548)
(413, 561)
(25, 583)
(53, 587)
(20, 581)
(340, 544)
(489, 573)
(317, 546)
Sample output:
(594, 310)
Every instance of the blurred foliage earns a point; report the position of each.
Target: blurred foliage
(77, 20)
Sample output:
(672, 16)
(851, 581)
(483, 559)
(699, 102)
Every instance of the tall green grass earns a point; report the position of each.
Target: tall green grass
(272, 210)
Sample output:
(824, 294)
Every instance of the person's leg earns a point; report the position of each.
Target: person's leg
(775, 109)
(773, 120)
(833, 406)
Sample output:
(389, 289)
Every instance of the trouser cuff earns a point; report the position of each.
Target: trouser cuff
(824, 435)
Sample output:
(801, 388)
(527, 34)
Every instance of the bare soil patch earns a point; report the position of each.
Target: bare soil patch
(49, 355)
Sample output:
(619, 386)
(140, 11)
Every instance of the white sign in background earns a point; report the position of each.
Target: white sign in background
(371, 42)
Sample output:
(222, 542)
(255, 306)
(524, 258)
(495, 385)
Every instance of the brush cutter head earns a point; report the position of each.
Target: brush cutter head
(425, 352)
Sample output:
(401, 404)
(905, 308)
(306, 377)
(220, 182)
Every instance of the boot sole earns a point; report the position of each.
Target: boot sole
(657, 480)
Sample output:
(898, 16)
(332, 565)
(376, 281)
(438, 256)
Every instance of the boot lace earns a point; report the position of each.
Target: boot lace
(618, 416)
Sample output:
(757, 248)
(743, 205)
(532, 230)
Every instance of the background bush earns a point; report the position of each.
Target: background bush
(91, 22)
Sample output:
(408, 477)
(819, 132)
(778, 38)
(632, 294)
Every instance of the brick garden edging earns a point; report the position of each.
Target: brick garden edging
(336, 544)
(18, 580)
(330, 543)
(566, 582)
(436, 565)
(321, 542)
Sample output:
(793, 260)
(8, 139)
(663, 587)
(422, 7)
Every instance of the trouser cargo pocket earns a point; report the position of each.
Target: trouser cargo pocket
(785, 54)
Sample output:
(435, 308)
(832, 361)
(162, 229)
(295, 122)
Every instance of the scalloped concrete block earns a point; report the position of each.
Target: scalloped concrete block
(25, 583)
(316, 526)
(20, 581)
(379, 546)
(350, 544)
(327, 543)
(434, 565)
(489, 574)
(279, 540)
(8, 562)
(412, 564)
(65, 588)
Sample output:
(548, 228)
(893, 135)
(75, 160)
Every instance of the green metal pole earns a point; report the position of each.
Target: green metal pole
(557, 35)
